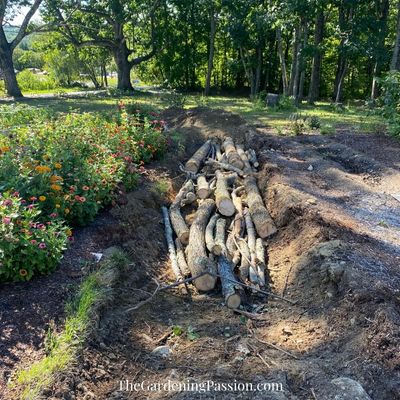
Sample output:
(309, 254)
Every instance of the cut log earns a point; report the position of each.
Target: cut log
(230, 292)
(253, 158)
(230, 150)
(170, 244)
(203, 189)
(189, 199)
(209, 235)
(194, 163)
(218, 154)
(245, 259)
(222, 197)
(219, 242)
(178, 222)
(225, 166)
(263, 222)
(237, 202)
(180, 256)
(198, 261)
(247, 167)
(251, 242)
(260, 261)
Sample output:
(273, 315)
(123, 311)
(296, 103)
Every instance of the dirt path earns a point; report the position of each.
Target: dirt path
(337, 253)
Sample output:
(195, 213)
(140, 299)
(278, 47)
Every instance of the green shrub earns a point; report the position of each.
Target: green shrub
(327, 129)
(314, 122)
(390, 101)
(286, 103)
(28, 247)
(27, 80)
(297, 124)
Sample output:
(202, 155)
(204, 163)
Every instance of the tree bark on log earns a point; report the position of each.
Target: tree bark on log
(245, 259)
(232, 250)
(180, 256)
(189, 199)
(251, 241)
(225, 166)
(198, 261)
(247, 167)
(178, 222)
(253, 158)
(229, 289)
(219, 242)
(203, 188)
(209, 235)
(222, 197)
(263, 222)
(194, 163)
(260, 261)
(170, 243)
(233, 156)
(218, 154)
(237, 202)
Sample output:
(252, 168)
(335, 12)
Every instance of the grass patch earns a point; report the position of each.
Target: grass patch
(358, 117)
(82, 313)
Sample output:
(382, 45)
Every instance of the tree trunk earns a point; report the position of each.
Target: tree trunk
(339, 89)
(395, 64)
(7, 67)
(383, 12)
(302, 65)
(124, 67)
(313, 93)
(295, 51)
(282, 61)
(213, 27)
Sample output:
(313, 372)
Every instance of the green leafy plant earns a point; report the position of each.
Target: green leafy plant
(327, 129)
(314, 122)
(28, 247)
(297, 124)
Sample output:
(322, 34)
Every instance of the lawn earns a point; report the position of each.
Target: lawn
(359, 118)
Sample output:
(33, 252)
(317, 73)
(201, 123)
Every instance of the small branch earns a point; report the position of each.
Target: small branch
(276, 348)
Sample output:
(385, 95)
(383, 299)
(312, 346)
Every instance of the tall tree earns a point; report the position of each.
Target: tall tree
(8, 9)
(395, 63)
(125, 28)
(313, 93)
(213, 29)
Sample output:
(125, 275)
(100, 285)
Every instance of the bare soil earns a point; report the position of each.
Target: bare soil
(336, 253)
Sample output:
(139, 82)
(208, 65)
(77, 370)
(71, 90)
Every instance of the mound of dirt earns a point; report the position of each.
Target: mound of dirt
(336, 254)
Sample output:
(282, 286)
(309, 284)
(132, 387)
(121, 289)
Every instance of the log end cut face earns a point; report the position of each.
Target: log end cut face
(233, 301)
(205, 282)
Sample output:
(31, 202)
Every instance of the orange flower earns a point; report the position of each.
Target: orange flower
(4, 149)
(42, 198)
(55, 178)
(42, 169)
(67, 211)
(58, 165)
(23, 272)
(55, 187)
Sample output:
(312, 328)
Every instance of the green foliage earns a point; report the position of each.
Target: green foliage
(27, 246)
(314, 122)
(327, 129)
(390, 101)
(28, 81)
(286, 103)
(67, 167)
(174, 99)
(297, 125)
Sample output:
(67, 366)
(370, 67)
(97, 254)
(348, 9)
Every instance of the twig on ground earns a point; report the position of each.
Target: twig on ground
(257, 317)
(276, 347)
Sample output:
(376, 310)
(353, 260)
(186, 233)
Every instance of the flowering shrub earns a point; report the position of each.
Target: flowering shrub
(72, 166)
(27, 245)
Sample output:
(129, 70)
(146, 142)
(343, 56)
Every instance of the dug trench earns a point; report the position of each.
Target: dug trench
(336, 254)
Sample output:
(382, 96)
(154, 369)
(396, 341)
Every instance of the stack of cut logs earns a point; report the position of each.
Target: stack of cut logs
(223, 237)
